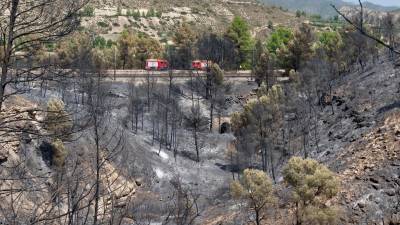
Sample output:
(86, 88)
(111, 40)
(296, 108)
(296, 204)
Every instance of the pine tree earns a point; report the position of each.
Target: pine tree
(262, 65)
(126, 48)
(313, 185)
(262, 119)
(182, 53)
(300, 48)
(256, 190)
(239, 33)
(279, 39)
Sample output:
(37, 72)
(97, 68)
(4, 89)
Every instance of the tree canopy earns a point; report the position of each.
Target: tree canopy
(135, 49)
(256, 189)
(312, 186)
(279, 38)
(239, 33)
(182, 52)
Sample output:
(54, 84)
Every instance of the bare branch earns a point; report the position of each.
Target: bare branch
(361, 29)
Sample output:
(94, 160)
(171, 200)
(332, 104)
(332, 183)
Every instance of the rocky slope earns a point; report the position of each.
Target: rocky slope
(112, 17)
(362, 143)
(322, 7)
(371, 16)
(33, 189)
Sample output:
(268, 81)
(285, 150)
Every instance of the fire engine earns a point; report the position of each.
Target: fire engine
(200, 64)
(156, 64)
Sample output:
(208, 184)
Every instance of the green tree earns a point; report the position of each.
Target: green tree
(217, 75)
(256, 190)
(270, 25)
(300, 48)
(136, 14)
(331, 43)
(102, 58)
(146, 48)
(126, 49)
(119, 9)
(151, 13)
(262, 117)
(99, 42)
(181, 54)
(239, 33)
(135, 50)
(259, 49)
(73, 49)
(278, 39)
(263, 70)
(313, 185)
(218, 49)
(109, 43)
(262, 66)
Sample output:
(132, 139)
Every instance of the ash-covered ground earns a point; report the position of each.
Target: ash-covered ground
(360, 141)
(154, 166)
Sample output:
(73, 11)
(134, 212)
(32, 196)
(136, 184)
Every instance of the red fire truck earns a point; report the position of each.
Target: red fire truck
(200, 64)
(156, 64)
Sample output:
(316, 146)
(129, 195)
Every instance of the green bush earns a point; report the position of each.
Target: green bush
(270, 25)
(136, 15)
(278, 39)
(88, 11)
(151, 13)
(102, 24)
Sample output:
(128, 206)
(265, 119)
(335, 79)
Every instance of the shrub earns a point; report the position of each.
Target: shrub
(59, 153)
(57, 120)
(88, 11)
(102, 24)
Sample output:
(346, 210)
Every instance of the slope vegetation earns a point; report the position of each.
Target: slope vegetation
(110, 17)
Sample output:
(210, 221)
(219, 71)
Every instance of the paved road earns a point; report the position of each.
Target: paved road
(175, 73)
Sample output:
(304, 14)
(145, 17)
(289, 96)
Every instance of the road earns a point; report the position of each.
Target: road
(175, 74)
(183, 74)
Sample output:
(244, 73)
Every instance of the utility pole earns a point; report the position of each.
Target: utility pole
(115, 63)
(252, 64)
